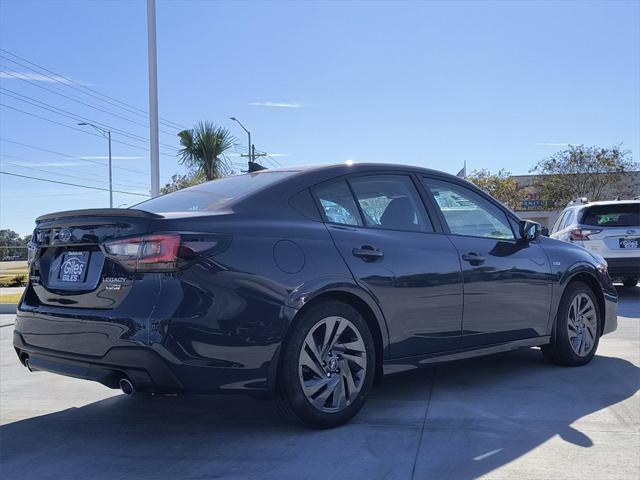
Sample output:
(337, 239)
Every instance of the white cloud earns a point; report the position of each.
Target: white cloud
(276, 104)
(35, 77)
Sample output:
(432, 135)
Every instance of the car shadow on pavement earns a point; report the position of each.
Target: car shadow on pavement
(628, 301)
(454, 420)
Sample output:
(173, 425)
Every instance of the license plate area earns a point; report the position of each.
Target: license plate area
(72, 269)
(74, 266)
(629, 243)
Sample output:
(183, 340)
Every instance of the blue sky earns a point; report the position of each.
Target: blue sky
(498, 84)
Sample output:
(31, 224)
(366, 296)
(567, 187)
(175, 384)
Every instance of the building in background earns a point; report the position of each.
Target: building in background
(535, 208)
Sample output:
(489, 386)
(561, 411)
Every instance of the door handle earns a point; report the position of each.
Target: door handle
(473, 258)
(367, 253)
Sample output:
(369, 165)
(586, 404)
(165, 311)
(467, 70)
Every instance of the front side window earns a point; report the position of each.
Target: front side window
(390, 202)
(337, 203)
(467, 213)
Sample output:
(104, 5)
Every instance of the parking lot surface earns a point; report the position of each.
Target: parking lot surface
(511, 415)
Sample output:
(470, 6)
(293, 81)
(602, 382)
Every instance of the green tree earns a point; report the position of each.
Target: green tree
(178, 182)
(579, 171)
(500, 185)
(203, 150)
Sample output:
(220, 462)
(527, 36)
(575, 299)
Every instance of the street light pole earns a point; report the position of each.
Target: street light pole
(153, 98)
(248, 135)
(106, 134)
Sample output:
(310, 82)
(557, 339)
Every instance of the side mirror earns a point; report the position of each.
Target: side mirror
(544, 231)
(529, 230)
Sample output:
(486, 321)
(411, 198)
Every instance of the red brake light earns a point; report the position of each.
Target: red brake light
(163, 252)
(151, 253)
(583, 233)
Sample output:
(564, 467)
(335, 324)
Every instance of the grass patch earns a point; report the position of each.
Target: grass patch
(11, 270)
(10, 298)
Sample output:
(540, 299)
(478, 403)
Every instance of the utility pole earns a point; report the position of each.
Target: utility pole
(106, 134)
(153, 98)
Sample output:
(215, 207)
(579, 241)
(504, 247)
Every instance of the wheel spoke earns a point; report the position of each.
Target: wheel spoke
(345, 371)
(311, 364)
(313, 386)
(332, 364)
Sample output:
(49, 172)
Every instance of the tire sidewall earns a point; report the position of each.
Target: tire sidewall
(288, 377)
(563, 345)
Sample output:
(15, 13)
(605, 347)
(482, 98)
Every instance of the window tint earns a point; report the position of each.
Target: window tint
(556, 226)
(212, 195)
(337, 203)
(622, 215)
(391, 202)
(467, 213)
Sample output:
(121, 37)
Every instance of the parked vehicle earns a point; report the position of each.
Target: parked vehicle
(306, 284)
(610, 229)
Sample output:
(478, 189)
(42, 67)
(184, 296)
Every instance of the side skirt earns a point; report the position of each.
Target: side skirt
(409, 363)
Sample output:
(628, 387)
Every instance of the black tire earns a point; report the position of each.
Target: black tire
(290, 396)
(629, 282)
(560, 350)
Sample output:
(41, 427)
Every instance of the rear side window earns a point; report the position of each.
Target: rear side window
(213, 195)
(619, 215)
(390, 202)
(556, 226)
(567, 220)
(337, 203)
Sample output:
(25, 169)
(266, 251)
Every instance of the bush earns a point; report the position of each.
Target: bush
(17, 281)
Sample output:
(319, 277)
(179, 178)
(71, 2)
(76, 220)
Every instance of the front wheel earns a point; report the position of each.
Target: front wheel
(577, 327)
(327, 365)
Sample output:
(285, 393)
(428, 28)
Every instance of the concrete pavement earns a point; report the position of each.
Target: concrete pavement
(510, 415)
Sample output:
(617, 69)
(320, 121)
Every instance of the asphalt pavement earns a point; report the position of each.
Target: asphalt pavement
(511, 415)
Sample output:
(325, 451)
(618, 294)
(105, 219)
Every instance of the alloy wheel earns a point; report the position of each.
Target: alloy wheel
(332, 364)
(582, 324)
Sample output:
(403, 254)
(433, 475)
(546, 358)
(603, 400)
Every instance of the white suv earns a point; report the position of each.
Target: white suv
(610, 229)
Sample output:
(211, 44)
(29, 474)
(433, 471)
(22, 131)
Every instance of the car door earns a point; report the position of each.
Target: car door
(381, 228)
(507, 281)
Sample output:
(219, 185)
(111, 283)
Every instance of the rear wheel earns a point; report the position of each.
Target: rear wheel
(327, 365)
(577, 327)
(630, 282)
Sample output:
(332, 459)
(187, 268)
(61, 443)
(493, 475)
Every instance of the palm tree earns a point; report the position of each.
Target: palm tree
(203, 150)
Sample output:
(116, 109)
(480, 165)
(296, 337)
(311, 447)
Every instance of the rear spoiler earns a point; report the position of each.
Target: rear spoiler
(98, 212)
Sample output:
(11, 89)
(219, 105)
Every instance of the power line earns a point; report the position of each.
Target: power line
(84, 89)
(71, 184)
(96, 178)
(74, 128)
(73, 116)
(70, 156)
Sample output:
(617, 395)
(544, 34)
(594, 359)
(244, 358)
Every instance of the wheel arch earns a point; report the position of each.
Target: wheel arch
(344, 290)
(588, 278)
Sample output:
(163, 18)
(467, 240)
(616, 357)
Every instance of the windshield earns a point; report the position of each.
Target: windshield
(619, 215)
(213, 195)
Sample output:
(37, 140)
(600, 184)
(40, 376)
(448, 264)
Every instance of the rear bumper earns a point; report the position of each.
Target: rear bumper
(142, 366)
(623, 267)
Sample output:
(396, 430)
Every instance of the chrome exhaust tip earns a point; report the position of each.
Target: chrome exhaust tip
(126, 386)
(26, 364)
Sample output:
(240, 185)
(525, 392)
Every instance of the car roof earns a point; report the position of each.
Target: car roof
(345, 168)
(601, 202)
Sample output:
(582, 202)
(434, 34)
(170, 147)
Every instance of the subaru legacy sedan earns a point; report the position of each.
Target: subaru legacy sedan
(303, 284)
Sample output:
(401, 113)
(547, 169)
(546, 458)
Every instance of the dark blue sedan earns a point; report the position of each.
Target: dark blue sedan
(305, 284)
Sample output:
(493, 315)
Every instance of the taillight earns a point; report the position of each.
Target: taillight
(583, 233)
(162, 252)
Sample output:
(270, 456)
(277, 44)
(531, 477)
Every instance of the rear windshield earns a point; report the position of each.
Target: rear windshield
(213, 195)
(619, 215)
